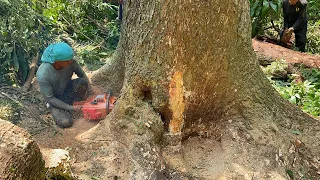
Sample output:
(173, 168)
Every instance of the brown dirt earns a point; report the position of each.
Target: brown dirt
(198, 157)
(270, 50)
(65, 138)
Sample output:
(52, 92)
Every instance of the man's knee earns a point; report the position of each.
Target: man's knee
(61, 117)
(64, 123)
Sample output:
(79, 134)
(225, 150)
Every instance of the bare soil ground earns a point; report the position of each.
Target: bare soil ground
(64, 138)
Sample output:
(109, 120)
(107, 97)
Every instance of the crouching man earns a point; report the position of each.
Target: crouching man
(57, 87)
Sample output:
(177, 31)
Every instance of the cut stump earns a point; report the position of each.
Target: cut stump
(20, 156)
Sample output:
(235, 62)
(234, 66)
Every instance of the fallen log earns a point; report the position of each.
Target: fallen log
(271, 52)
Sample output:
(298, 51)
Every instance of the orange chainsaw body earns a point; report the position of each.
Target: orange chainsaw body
(95, 108)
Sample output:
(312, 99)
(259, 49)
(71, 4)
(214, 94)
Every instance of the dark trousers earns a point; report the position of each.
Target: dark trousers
(76, 90)
(301, 38)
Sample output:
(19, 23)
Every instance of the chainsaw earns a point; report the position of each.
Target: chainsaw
(97, 107)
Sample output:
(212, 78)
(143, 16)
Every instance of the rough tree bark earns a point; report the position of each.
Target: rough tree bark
(20, 156)
(190, 70)
(111, 75)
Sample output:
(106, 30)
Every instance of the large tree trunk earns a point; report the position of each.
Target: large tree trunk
(190, 70)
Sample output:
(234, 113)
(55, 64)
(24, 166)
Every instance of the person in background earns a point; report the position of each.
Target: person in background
(120, 13)
(120, 4)
(58, 89)
(295, 20)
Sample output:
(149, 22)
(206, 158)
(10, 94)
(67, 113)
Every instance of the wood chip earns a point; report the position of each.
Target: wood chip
(297, 143)
(147, 125)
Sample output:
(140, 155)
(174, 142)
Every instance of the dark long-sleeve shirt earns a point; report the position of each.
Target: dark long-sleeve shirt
(53, 82)
(294, 15)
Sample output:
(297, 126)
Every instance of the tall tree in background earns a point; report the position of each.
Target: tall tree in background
(187, 68)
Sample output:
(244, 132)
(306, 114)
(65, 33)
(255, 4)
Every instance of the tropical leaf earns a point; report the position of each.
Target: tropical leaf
(265, 8)
(273, 6)
(253, 8)
(263, 11)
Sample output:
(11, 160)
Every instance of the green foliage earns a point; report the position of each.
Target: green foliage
(313, 34)
(313, 10)
(85, 20)
(313, 37)
(92, 57)
(9, 111)
(304, 94)
(263, 11)
(91, 25)
(22, 34)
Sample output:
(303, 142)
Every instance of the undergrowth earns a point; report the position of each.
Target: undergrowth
(301, 88)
